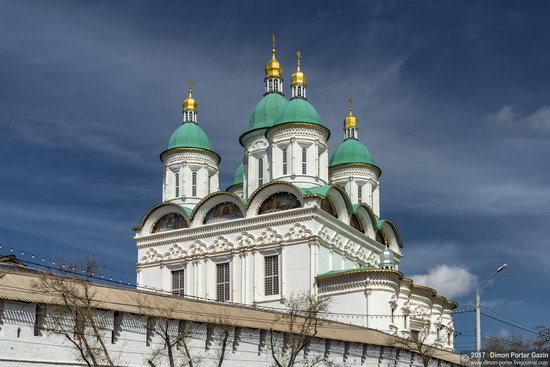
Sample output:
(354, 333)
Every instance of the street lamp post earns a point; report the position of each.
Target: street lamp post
(478, 303)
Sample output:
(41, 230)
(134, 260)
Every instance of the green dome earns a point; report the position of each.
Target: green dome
(299, 110)
(265, 112)
(190, 135)
(351, 151)
(239, 175)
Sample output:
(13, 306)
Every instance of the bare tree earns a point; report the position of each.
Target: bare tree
(540, 344)
(77, 318)
(177, 335)
(423, 340)
(302, 320)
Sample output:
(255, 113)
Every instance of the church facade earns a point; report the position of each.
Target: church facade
(295, 219)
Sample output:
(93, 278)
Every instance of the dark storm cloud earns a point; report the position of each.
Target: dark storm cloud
(452, 100)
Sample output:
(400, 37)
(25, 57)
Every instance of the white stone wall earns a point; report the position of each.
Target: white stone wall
(128, 346)
(308, 242)
(184, 162)
(297, 137)
(366, 298)
(353, 177)
(256, 147)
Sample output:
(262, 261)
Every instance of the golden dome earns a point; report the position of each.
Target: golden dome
(298, 77)
(350, 121)
(273, 67)
(189, 103)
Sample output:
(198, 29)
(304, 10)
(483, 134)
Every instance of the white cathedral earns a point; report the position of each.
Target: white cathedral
(296, 219)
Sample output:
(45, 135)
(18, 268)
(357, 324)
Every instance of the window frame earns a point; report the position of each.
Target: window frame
(223, 286)
(304, 161)
(273, 278)
(194, 183)
(260, 171)
(285, 160)
(179, 291)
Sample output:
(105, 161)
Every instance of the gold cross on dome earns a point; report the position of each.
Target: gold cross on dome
(190, 81)
(299, 54)
(273, 42)
(350, 104)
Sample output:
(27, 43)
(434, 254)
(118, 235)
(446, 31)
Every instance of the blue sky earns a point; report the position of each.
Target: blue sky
(452, 99)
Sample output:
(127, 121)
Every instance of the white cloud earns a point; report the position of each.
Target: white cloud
(537, 122)
(449, 281)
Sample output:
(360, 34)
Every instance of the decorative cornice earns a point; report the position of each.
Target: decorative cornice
(359, 271)
(298, 123)
(358, 164)
(227, 227)
(185, 149)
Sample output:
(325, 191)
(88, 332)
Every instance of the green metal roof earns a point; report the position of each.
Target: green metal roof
(265, 112)
(351, 151)
(187, 210)
(239, 175)
(298, 110)
(322, 191)
(190, 135)
(333, 272)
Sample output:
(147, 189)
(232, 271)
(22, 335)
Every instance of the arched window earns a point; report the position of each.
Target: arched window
(278, 202)
(223, 212)
(260, 171)
(194, 183)
(355, 223)
(177, 185)
(327, 206)
(359, 194)
(380, 237)
(170, 222)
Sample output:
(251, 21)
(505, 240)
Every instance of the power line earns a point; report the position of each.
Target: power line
(48, 264)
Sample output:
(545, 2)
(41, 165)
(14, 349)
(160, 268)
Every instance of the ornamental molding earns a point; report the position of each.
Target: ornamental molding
(226, 228)
(297, 232)
(245, 240)
(175, 253)
(269, 236)
(296, 131)
(252, 136)
(151, 256)
(220, 244)
(202, 157)
(260, 144)
(357, 172)
(332, 235)
(360, 281)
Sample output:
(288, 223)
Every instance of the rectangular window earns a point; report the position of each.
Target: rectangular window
(285, 161)
(271, 270)
(177, 185)
(222, 282)
(178, 283)
(304, 161)
(261, 171)
(194, 183)
(360, 193)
